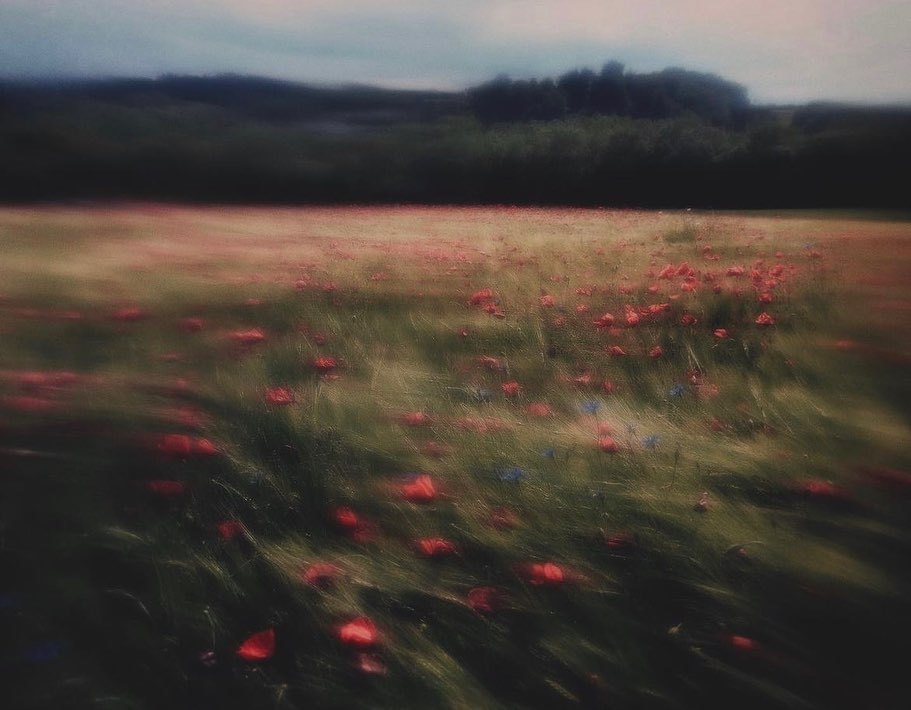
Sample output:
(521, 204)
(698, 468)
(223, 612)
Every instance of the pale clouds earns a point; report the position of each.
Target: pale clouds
(782, 50)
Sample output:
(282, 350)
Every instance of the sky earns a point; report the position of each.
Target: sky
(782, 51)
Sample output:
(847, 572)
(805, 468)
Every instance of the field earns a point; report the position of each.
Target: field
(454, 457)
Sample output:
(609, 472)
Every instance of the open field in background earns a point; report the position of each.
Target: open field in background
(401, 457)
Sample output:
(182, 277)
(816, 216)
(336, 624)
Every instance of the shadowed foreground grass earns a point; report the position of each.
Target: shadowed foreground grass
(226, 434)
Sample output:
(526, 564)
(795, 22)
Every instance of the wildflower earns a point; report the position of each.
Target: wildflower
(590, 406)
(479, 297)
(632, 319)
(616, 351)
(764, 319)
(360, 632)
(608, 386)
(539, 409)
(230, 529)
(608, 445)
(248, 337)
(489, 362)
(545, 574)
(436, 547)
(721, 333)
(321, 574)
(677, 390)
(650, 442)
(511, 475)
(258, 647)
(547, 301)
(742, 644)
(416, 419)
(549, 453)
(370, 663)
(279, 396)
(345, 518)
(688, 319)
(605, 321)
(130, 314)
(421, 490)
(511, 388)
(324, 364)
(656, 352)
(484, 600)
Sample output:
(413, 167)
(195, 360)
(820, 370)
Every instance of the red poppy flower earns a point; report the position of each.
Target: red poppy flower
(547, 301)
(736, 271)
(823, 490)
(721, 333)
(129, 315)
(656, 352)
(583, 380)
(178, 445)
(608, 386)
(324, 364)
(490, 363)
(582, 308)
(420, 490)
(416, 419)
(321, 574)
(539, 409)
(605, 321)
(345, 518)
(360, 632)
(248, 337)
(165, 488)
(608, 445)
(370, 663)
(478, 297)
(484, 600)
(279, 396)
(616, 351)
(436, 547)
(258, 647)
(204, 447)
(765, 297)
(632, 319)
(742, 644)
(545, 574)
(688, 319)
(511, 388)
(764, 319)
(229, 529)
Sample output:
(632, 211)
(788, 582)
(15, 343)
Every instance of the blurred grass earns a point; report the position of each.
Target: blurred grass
(114, 595)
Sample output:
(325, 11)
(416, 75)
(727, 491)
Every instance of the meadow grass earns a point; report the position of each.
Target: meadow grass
(724, 520)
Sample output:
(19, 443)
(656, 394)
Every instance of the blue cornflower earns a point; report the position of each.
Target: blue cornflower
(677, 391)
(650, 442)
(549, 453)
(511, 475)
(590, 406)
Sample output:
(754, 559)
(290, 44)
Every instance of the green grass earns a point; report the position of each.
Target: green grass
(115, 596)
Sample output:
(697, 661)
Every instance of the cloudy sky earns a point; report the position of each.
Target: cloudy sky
(781, 50)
